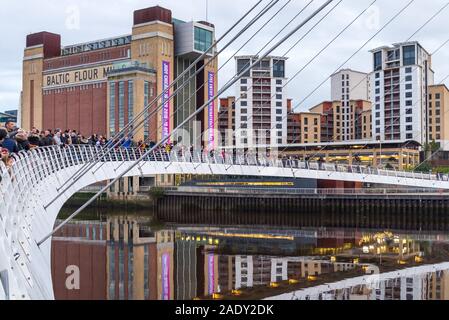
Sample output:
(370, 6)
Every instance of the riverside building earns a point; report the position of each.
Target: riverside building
(100, 85)
(400, 80)
(261, 104)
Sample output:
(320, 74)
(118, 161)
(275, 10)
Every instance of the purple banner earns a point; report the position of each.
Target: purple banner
(166, 99)
(211, 113)
(165, 276)
(211, 279)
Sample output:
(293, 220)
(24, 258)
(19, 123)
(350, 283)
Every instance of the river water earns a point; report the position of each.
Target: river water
(119, 255)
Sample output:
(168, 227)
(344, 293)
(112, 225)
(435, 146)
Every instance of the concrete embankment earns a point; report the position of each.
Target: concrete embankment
(428, 211)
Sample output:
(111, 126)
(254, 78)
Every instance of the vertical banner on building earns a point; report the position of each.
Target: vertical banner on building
(211, 274)
(211, 109)
(165, 276)
(166, 99)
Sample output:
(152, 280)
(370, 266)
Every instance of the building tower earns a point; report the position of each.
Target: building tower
(348, 86)
(261, 106)
(399, 92)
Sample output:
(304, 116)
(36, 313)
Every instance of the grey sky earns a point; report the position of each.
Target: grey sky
(105, 18)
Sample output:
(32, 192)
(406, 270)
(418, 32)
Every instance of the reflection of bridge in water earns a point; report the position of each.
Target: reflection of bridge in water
(418, 283)
(31, 196)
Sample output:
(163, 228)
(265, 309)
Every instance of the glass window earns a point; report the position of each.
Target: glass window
(409, 55)
(203, 39)
(279, 68)
(112, 110)
(378, 62)
(242, 65)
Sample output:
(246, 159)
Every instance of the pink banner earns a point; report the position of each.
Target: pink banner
(166, 99)
(165, 276)
(211, 110)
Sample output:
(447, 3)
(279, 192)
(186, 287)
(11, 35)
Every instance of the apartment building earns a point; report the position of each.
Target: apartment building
(226, 121)
(261, 107)
(438, 115)
(401, 76)
(348, 85)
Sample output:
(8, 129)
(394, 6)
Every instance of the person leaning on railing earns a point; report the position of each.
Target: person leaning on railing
(7, 142)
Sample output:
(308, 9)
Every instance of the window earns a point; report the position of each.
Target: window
(279, 96)
(408, 95)
(278, 104)
(408, 78)
(244, 103)
(279, 68)
(409, 128)
(278, 119)
(112, 109)
(377, 83)
(278, 111)
(409, 136)
(244, 118)
(203, 39)
(244, 111)
(378, 62)
(409, 111)
(377, 91)
(243, 88)
(409, 103)
(408, 70)
(437, 96)
(242, 65)
(409, 119)
(279, 89)
(408, 86)
(244, 81)
(279, 82)
(121, 104)
(409, 55)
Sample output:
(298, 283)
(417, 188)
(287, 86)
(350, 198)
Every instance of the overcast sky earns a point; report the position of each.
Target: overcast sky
(86, 20)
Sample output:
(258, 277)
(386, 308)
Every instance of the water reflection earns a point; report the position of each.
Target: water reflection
(135, 257)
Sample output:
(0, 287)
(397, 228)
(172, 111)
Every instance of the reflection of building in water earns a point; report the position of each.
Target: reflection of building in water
(185, 269)
(430, 286)
(165, 253)
(438, 286)
(131, 260)
(238, 271)
(81, 244)
(427, 282)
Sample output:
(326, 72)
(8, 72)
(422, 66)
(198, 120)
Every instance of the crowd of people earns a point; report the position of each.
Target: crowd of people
(14, 140)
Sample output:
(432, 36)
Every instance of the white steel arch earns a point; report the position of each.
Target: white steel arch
(33, 181)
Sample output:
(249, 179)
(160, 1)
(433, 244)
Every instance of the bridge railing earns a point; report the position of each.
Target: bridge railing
(48, 160)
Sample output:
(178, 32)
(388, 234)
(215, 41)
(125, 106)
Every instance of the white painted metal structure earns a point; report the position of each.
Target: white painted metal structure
(415, 279)
(33, 181)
